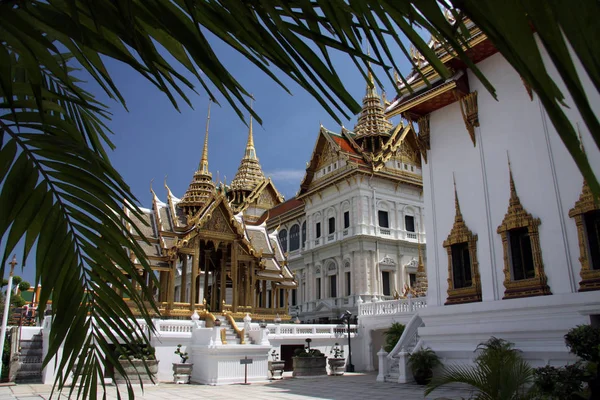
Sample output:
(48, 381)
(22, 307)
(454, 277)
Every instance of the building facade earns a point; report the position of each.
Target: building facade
(354, 230)
(513, 230)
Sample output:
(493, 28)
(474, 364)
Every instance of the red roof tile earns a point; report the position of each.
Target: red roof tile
(344, 144)
(280, 209)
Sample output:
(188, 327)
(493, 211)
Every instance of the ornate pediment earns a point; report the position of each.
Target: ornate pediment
(326, 156)
(218, 222)
(387, 260)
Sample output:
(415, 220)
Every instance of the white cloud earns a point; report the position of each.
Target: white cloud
(287, 175)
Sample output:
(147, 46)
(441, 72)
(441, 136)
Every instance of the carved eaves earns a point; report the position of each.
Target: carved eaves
(469, 111)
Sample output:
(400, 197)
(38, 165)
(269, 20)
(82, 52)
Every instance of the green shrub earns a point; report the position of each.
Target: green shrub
(137, 350)
(392, 336)
(561, 383)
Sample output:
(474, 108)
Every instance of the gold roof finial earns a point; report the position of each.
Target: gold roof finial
(458, 216)
(151, 190)
(202, 187)
(249, 173)
(514, 198)
(372, 118)
(203, 167)
(250, 150)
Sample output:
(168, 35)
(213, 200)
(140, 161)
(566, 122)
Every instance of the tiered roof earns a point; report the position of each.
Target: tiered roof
(249, 174)
(372, 120)
(202, 186)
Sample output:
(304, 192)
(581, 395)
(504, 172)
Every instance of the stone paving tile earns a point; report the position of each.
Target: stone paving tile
(347, 387)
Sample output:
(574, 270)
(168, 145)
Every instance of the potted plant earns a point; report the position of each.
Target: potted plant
(422, 362)
(139, 362)
(336, 360)
(182, 372)
(276, 366)
(309, 362)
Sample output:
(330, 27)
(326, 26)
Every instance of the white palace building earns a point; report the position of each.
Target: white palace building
(513, 231)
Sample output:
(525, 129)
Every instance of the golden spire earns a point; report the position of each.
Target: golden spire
(514, 198)
(203, 166)
(249, 173)
(458, 215)
(250, 150)
(202, 187)
(421, 284)
(372, 119)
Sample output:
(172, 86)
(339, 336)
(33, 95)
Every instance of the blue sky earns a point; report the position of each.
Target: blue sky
(154, 140)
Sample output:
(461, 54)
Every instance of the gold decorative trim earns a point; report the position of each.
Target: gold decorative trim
(424, 136)
(460, 233)
(469, 111)
(590, 278)
(421, 284)
(518, 217)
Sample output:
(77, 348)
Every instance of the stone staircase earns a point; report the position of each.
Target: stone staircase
(231, 336)
(29, 364)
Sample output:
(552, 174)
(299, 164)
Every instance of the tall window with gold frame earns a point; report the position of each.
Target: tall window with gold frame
(464, 283)
(587, 218)
(524, 274)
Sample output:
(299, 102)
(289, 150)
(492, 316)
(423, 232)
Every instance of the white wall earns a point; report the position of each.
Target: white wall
(548, 185)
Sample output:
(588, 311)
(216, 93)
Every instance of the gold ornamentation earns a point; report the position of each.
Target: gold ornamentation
(469, 111)
(518, 217)
(460, 233)
(590, 278)
(421, 283)
(328, 155)
(424, 132)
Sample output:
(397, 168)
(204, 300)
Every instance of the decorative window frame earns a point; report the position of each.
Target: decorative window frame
(590, 279)
(518, 217)
(460, 233)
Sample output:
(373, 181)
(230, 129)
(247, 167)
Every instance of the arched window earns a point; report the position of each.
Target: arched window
(303, 233)
(283, 240)
(295, 238)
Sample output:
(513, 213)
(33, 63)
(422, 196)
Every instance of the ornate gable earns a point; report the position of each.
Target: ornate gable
(218, 222)
(327, 156)
(326, 150)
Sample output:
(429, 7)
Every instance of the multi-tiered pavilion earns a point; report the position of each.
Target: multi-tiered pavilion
(206, 250)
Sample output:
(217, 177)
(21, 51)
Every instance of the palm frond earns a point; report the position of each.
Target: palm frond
(60, 192)
(499, 373)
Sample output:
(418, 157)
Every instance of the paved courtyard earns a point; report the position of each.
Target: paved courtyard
(347, 387)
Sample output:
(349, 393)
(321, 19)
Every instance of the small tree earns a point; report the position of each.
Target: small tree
(499, 373)
(24, 286)
(584, 342)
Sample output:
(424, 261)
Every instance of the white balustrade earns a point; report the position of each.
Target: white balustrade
(310, 330)
(177, 326)
(389, 307)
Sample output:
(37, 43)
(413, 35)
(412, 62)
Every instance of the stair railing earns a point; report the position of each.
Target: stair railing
(239, 332)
